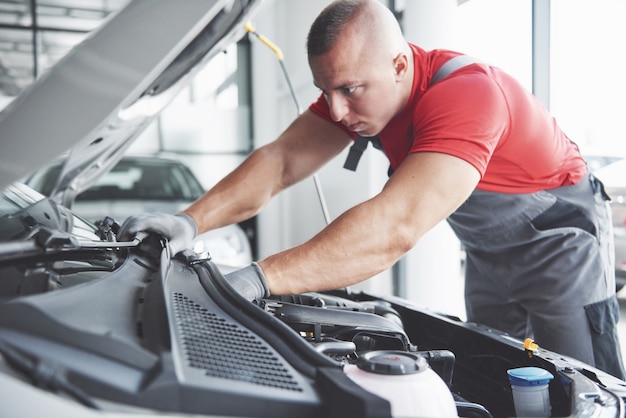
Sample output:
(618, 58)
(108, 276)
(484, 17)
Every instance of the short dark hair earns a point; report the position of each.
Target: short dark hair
(329, 24)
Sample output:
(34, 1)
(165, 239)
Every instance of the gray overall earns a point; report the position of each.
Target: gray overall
(541, 266)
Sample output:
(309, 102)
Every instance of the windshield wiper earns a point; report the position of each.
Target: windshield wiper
(50, 241)
(44, 376)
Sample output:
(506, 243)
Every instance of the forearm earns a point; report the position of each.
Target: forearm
(359, 244)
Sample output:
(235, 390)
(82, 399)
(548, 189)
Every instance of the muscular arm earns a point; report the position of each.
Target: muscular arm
(299, 151)
(370, 237)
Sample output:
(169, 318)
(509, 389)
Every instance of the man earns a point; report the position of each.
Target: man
(473, 148)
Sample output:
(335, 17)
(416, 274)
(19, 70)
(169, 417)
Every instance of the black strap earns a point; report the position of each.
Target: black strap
(355, 152)
(360, 142)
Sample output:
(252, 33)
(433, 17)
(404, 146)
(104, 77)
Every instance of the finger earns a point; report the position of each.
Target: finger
(130, 227)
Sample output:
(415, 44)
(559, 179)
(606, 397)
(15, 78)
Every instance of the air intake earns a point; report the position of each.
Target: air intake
(225, 350)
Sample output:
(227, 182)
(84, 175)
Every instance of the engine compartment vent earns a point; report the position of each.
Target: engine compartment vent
(226, 350)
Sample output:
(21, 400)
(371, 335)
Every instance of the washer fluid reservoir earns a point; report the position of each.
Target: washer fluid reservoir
(406, 381)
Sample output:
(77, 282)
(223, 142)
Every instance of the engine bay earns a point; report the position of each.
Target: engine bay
(127, 328)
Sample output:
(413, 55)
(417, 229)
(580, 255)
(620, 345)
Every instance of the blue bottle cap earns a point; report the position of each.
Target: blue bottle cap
(529, 376)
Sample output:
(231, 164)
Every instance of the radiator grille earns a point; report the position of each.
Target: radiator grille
(226, 350)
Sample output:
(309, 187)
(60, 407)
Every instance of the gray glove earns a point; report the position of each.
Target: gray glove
(180, 229)
(249, 282)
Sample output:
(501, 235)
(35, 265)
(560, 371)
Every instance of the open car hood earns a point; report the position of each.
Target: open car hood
(100, 96)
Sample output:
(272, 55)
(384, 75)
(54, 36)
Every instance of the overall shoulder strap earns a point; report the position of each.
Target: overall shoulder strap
(451, 66)
(356, 150)
(360, 142)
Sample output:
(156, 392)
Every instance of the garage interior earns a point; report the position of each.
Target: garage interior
(241, 100)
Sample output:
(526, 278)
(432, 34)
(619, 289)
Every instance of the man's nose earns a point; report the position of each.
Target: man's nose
(338, 106)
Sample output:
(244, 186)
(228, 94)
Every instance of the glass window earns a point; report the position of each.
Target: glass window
(587, 80)
(499, 32)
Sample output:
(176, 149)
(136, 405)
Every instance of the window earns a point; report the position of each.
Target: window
(587, 81)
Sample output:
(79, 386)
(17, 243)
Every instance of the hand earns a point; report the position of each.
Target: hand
(180, 229)
(249, 282)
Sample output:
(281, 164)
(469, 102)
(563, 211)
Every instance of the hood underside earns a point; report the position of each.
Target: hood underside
(97, 99)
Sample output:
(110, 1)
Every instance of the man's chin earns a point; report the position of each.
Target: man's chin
(365, 132)
(363, 129)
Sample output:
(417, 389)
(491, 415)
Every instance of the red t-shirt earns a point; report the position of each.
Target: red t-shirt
(485, 117)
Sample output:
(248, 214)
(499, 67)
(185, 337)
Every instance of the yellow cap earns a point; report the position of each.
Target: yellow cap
(529, 344)
(530, 347)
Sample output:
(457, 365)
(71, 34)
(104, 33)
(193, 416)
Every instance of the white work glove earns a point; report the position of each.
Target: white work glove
(180, 230)
(249, 282)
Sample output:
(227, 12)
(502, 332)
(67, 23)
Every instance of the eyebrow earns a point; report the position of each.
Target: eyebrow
(342, 86)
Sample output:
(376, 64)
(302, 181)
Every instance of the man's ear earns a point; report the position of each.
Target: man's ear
(401, 65)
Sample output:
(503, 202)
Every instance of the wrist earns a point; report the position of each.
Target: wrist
(263, 279)
(190, 221)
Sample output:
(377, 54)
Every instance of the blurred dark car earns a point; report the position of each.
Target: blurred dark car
(149, 184)
(95, 327)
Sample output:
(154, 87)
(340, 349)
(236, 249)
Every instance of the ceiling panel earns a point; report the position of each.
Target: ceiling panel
(30, 42)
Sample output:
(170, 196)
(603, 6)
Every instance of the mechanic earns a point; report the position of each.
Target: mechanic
(474, 148)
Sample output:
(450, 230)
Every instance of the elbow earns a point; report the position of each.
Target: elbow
(402, 239)
(274, 174)
(266, 172)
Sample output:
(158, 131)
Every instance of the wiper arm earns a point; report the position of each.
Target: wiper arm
(83, 244)
(52, 242)
(50, 239)
(44, 375)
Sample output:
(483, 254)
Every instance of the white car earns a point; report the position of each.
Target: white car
(150, 184)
